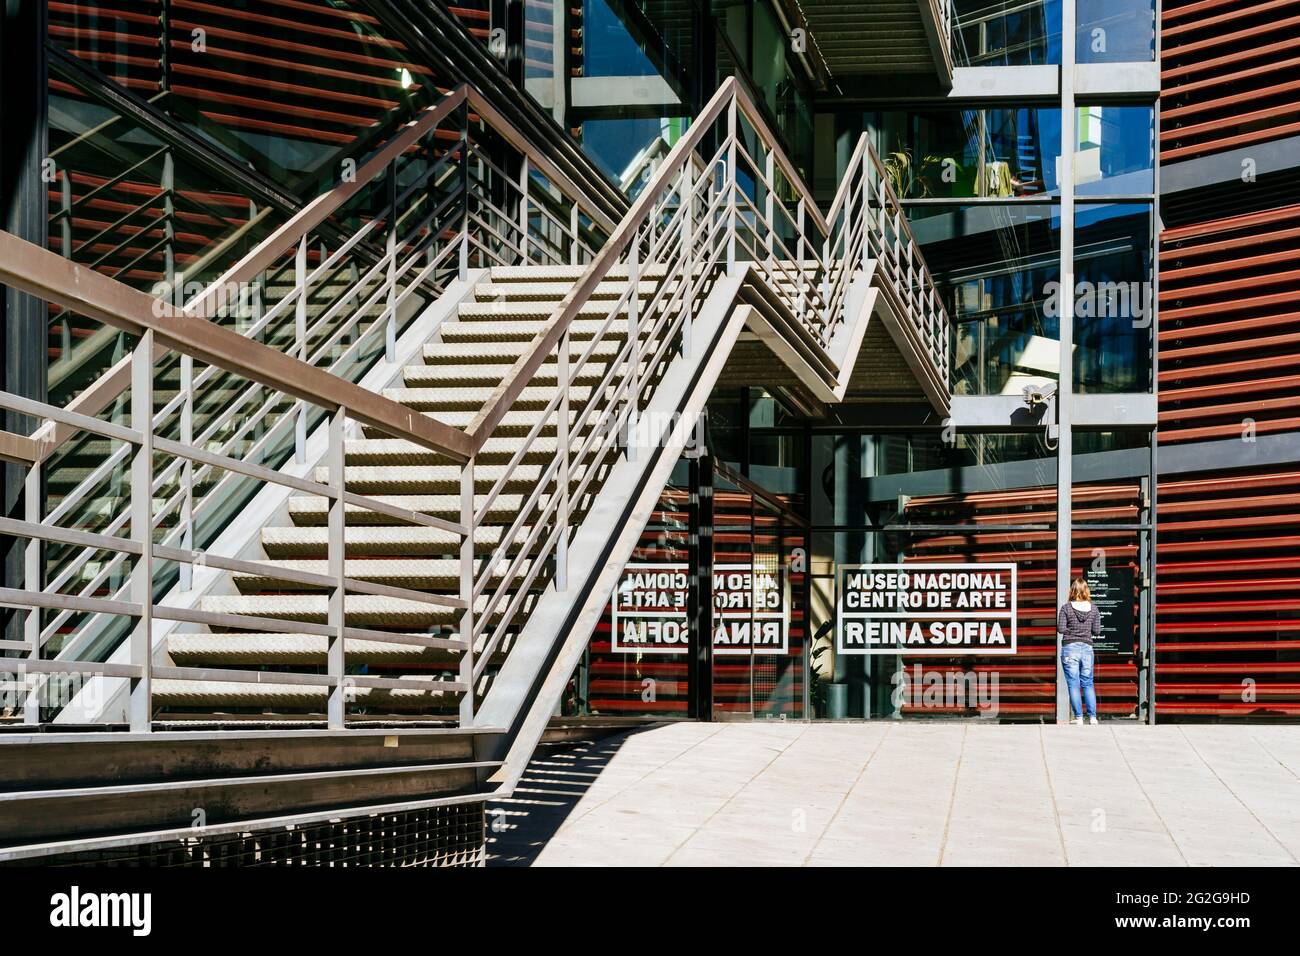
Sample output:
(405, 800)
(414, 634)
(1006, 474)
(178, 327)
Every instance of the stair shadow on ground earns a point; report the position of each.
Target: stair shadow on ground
(556, 779)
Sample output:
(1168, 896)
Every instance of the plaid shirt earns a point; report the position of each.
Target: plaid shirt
(1078, 627)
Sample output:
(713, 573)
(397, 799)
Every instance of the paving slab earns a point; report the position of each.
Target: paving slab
(909, 794)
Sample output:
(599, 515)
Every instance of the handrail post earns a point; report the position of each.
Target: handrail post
(390, 327)
(187, 469)
(141, 641)
(562, 378)
(800, 224)
(467, 591)
(731, 187)
(523, 210)
(300, 345)
(827, 261)
(769, 207)
(335, 652)
(866, 208)
(573, 234)
(881, 196)
(463, 271)
(33, 562)
(688, 249)
(65, 235)
(634, 343)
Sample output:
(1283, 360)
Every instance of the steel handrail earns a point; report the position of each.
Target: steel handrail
(505, 394)
(50, 277)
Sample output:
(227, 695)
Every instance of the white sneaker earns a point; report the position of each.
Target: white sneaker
(1076, 720)
(1093, 720)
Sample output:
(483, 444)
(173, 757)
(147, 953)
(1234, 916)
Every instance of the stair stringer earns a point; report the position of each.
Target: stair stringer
(522, 698)
(779, 329)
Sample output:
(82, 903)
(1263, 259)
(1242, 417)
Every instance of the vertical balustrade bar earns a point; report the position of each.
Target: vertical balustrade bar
(33, 561)
(141, 641)
(687, 187)
(769, 209)
(463, 273)
(731, 203)
(634, 344)
(523, 211)
(881, 232)
(865, 188)
(802, 266)
(562, 378)
(573, 234)
(300, 345)
(335, 660)
(827, 266)
(467, 591)
(390, 326)
(187, 469)
(847, 231)
(65, 234)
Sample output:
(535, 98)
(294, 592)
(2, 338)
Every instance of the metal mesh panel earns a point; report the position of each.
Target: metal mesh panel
(434, 836)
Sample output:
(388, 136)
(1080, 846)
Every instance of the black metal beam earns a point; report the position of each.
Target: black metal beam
(24, 201)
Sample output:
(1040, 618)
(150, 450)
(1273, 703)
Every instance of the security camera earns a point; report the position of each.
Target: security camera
(1039, 394)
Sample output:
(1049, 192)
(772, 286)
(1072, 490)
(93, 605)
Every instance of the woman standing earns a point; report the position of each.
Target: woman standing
(1078, 622)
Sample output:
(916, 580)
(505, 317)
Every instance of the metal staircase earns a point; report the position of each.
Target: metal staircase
(445, 521)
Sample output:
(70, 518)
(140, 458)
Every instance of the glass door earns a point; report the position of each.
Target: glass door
(758, 599)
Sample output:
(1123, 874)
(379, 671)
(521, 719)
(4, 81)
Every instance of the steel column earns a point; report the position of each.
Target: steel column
(141, 642)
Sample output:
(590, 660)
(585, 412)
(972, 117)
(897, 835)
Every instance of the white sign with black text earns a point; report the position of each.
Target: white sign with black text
(935, 609)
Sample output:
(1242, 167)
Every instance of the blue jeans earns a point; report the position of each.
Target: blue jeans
(1076, 661)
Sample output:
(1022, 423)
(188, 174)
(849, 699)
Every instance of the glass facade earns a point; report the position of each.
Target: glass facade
(982, 187)
(917, 500)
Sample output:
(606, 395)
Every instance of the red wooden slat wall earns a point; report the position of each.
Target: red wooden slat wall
(1228, 552)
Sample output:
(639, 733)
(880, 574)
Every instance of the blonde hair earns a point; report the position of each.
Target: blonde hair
(1079, 590)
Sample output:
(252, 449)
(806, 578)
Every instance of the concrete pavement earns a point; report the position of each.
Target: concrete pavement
(910, 793)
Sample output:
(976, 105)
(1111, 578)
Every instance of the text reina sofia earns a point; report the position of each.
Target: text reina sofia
(949, 609)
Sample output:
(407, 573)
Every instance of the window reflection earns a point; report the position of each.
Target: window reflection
(1006, 32)
(996, 266)
(1115, 155)
(1113, 301)
(1115, 31)
(949, 154)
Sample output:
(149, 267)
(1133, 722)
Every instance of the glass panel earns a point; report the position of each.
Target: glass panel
(1006, 32)
(1110, 476)
(956, 154)
(905, 683)
(733, 556)
(628, 138)
(288, 86)
(1116, 31)
(636, 662)
(895, 478)
(137, 211)
(758, 607)
(1116, 152)
(996, 267)
(1113, 298)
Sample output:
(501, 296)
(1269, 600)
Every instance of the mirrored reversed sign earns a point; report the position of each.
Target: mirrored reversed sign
(751, 609)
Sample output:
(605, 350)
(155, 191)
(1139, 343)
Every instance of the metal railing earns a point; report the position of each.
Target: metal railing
(724, 203)
(441, 210)
(750, 209)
